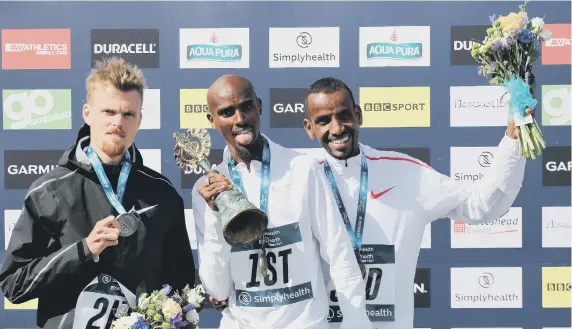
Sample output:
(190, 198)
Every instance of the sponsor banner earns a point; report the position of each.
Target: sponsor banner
(39, 109)
(503, 232)
(422, 288)
(557, 50)
(23, 167)
(394, 46)
(556, 287)
(151, 158)
(470, 163)
(395, 106)
(191, 229)
(556, 227)
(304, 47)
(556, 165)
(486, 287)
(274, 297)
(10, 219)
(287, 107)
(138, 46)
(189, 180)
(556, 105)
(36, 49)
(462, 40)
(29, 305)
(151, 109)
(214, 48)
(194, 108)
(478, 106)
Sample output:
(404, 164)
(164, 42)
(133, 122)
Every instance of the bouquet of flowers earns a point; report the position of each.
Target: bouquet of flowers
(163, 309)
(505, 57)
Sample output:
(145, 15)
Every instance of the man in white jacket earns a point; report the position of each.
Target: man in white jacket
(387, 198)
(304, 231)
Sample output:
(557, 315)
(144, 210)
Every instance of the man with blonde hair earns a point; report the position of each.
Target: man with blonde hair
(101, 227)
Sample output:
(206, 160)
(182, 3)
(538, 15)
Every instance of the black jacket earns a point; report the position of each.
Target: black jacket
(48, 258)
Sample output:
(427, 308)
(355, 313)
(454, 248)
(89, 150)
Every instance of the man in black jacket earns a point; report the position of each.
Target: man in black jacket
(100, 228)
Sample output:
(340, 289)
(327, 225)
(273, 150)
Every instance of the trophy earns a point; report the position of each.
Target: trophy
(242, 222)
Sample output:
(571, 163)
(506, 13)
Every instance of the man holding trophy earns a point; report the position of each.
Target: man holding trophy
(387, 198)
(262, 248)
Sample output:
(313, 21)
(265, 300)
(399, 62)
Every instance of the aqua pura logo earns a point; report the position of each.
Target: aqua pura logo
(214, 51)
(394, 49)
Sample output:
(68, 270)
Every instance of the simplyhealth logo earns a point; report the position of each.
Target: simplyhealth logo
(394, 46)
(36, 109)
(214, 48)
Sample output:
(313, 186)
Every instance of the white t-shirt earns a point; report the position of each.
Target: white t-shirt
(404, 195)
(305, 231)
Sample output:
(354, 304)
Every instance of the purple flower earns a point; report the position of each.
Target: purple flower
(165, 290)
(122, 309)
(177, 321)
(496, 46)
(188, 307)
(493, 18)
(525, 36)
(140, 325)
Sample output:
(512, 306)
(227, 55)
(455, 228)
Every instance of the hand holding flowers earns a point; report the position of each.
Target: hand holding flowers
(505, 57)
(163, 309)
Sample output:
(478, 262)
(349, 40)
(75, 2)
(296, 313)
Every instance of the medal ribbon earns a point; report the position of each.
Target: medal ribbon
(358, 233)
(265, 176)
(264, 187)
(106, 185)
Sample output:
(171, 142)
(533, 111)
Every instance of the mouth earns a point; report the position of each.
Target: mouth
(244, 136)
(340, 142)
(116, 135)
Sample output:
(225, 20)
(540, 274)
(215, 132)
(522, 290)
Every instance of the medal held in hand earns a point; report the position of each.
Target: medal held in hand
(128, 223)
(242, 222)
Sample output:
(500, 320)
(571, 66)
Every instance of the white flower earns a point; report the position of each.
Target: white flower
(537, 23)
(192, 316)
(545, 35)
(125, 322)
(143, 303)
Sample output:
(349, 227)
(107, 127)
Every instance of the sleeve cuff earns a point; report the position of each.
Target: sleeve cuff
(87, 255)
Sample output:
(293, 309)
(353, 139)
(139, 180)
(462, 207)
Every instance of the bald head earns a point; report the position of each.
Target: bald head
(229, 86)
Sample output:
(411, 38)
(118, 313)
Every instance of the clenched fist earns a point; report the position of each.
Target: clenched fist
(213, 185)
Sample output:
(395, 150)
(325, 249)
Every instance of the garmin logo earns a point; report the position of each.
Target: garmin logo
(138, 46)
(556, 167)
(288, 108)
(23, 167)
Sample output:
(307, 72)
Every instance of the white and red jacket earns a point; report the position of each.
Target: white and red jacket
(404, 195)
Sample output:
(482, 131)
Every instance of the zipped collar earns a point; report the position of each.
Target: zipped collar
(347, 166)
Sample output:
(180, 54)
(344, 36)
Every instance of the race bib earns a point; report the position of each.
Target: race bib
(286, 283)
(379, 285)
(98, 302)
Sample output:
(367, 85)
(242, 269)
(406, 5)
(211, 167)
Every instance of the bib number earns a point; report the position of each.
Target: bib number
(105, 308)
(379, 285)
(280, 286)
(271, 258)
(99, 301)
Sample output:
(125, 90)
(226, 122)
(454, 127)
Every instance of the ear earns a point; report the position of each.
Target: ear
(210, 118)
(359, 116)
(85, 111)
(308, 128)
(259, 104)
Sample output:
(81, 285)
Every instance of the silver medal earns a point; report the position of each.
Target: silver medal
(128, 223)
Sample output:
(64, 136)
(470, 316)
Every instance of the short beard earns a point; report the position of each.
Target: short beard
(113, 149)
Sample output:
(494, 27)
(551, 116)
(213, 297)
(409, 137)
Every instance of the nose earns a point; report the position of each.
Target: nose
(117, 120)
(336, 127)
(240, 118)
